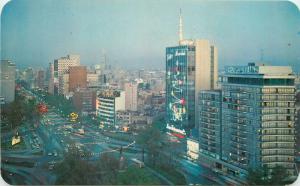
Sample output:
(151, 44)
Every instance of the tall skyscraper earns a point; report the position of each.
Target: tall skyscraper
(131, 96)
(61, 66)
(258, 119)
(77, 77)
(191, 66)
(7, 84)
(257, 123)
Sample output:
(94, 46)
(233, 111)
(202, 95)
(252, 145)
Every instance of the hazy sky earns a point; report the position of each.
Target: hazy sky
(134, 33)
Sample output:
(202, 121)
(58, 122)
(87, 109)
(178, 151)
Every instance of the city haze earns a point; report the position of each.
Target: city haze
(133, 34)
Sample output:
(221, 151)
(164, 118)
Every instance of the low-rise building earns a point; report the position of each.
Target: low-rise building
(109, 102)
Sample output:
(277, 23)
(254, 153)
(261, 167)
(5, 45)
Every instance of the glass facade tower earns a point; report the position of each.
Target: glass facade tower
(180, 83)
(190, 68)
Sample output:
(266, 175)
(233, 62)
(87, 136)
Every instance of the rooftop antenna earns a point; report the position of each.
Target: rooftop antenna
(180, 27)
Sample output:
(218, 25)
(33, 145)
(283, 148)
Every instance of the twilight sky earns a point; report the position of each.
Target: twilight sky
(134, 33)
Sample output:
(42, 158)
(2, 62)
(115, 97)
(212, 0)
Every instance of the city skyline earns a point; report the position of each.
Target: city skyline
(166, 92)
(131, 41)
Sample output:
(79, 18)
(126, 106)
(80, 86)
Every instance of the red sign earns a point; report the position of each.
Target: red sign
(178, 135)
(42, 108)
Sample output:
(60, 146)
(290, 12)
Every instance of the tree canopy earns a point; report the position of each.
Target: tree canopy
(264, 176)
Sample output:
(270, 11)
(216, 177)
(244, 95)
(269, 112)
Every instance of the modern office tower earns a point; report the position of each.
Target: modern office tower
(258, 117)
(7, 84)
(77, 77)
(210, 117)
(131, 96)
(190, 67)
(109, 102)
(61, 66)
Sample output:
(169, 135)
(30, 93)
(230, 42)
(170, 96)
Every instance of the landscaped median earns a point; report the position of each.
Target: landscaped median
(172, 175)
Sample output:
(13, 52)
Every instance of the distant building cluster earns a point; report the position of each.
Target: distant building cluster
(109, 94)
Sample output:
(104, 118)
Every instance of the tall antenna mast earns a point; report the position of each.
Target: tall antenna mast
(180, 27)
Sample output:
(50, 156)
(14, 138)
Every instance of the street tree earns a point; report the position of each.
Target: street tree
(264, 176)
(14, 113)
(151, 140)
(74, 170)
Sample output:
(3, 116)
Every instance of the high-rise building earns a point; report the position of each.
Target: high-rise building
(190, 67)
(77, 77)
(61, 66)
(258, 117)
(251, 122)
(109, 102)
(131, 96)
(210, 102)
(7, 84)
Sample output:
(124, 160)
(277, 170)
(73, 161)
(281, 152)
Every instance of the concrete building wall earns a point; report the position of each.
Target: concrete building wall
(206, 73)
(131, 96)
(92, 79)
(77, 77)
(65, 83)
(61, 66)
(120, 102)
(7, 84)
